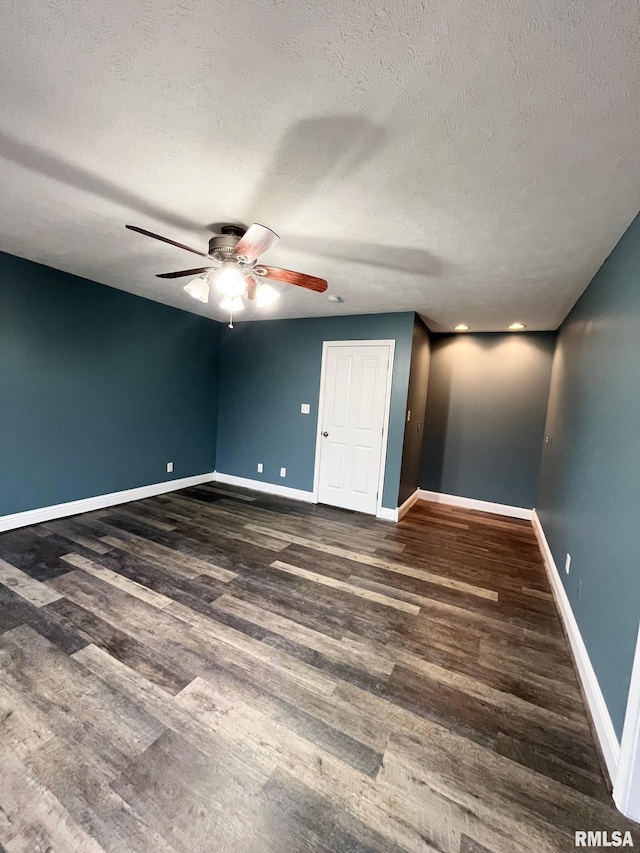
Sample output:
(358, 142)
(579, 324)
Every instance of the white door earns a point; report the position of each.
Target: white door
(353, 410)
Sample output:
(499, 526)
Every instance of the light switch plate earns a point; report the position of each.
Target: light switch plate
(169, 467)
(567, 564)
(408, 415)
(283, 472)
(305, 408)
(260, 468)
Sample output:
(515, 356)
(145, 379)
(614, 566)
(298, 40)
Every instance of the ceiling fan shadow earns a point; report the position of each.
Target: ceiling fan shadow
(396, 258)
(52, 166)
(311, 151)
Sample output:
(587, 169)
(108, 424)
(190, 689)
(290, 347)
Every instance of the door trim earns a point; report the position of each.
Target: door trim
(387, 410)
(626, 787)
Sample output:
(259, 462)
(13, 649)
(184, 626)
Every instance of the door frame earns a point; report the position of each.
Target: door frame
(626, 785)
(387, 410)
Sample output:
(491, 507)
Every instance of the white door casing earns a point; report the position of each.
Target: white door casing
(353, 416)
(626, 785)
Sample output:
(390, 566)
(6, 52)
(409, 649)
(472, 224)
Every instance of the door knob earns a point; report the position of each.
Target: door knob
(325, 434)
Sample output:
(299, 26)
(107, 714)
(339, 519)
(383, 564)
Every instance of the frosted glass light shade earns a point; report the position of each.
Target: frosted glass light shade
(265, 295)
(232, 304)
(199, 288)
(229, 281)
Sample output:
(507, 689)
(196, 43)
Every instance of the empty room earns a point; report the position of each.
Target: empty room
(319, 426)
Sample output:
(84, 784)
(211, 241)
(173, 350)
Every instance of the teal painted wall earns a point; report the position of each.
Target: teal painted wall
(99, 389)
(485, 415)
(267, 369)
(589, 497)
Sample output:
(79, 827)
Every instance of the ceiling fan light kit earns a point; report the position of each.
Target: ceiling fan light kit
(229, 280)
(265, 295)
(235, 275)
(232, 304)
(199, 288)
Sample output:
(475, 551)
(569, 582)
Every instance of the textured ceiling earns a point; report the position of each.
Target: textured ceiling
(473, 162)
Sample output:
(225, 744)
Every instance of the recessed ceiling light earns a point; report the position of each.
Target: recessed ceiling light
(517, 327)
(461, 327)
(333, 298)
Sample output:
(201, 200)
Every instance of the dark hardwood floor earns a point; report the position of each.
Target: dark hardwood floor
(214, 670)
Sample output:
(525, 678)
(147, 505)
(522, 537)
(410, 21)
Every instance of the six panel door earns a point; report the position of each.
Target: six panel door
(353, 421)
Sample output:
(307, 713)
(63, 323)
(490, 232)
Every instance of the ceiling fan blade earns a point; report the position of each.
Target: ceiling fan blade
(166, 240)
(310, 282)
(179, 274)
(257, 239)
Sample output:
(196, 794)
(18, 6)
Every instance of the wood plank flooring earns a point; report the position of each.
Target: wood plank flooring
(214, 670)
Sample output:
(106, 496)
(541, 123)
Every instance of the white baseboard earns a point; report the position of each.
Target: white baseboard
(385, 514)
(48, 513)
(598, 707)
(406, 506)
(262, 486)
(473, 503)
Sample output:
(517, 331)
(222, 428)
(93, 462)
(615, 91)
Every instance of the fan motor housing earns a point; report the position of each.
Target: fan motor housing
(224, 244)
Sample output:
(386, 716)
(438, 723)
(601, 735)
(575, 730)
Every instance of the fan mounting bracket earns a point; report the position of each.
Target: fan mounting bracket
(233, 231)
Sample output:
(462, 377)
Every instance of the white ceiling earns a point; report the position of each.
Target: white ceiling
(474, 162)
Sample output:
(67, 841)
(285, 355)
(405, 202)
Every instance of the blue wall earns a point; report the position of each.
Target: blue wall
(267, 369)
(589, 499)
(99, 389)
(485, 415)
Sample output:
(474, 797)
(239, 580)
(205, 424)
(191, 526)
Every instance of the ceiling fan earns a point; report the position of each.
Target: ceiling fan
(235, 275)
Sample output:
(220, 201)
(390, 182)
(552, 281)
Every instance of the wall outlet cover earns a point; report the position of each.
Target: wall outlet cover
(567, 564)
(305, 408)
(260, 467)
(169, 467)
(283, 472)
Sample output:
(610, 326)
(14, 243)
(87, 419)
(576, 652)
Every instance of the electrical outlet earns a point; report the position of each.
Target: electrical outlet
(283, 472)
(260, 467)
(305, 408)
(567, 564)
(169, 467)
(548, 439)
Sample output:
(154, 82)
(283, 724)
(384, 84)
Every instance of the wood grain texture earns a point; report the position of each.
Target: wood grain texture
(256, 240)
(299, 279)
(326, 580)
(25, 586)
(214, 670)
